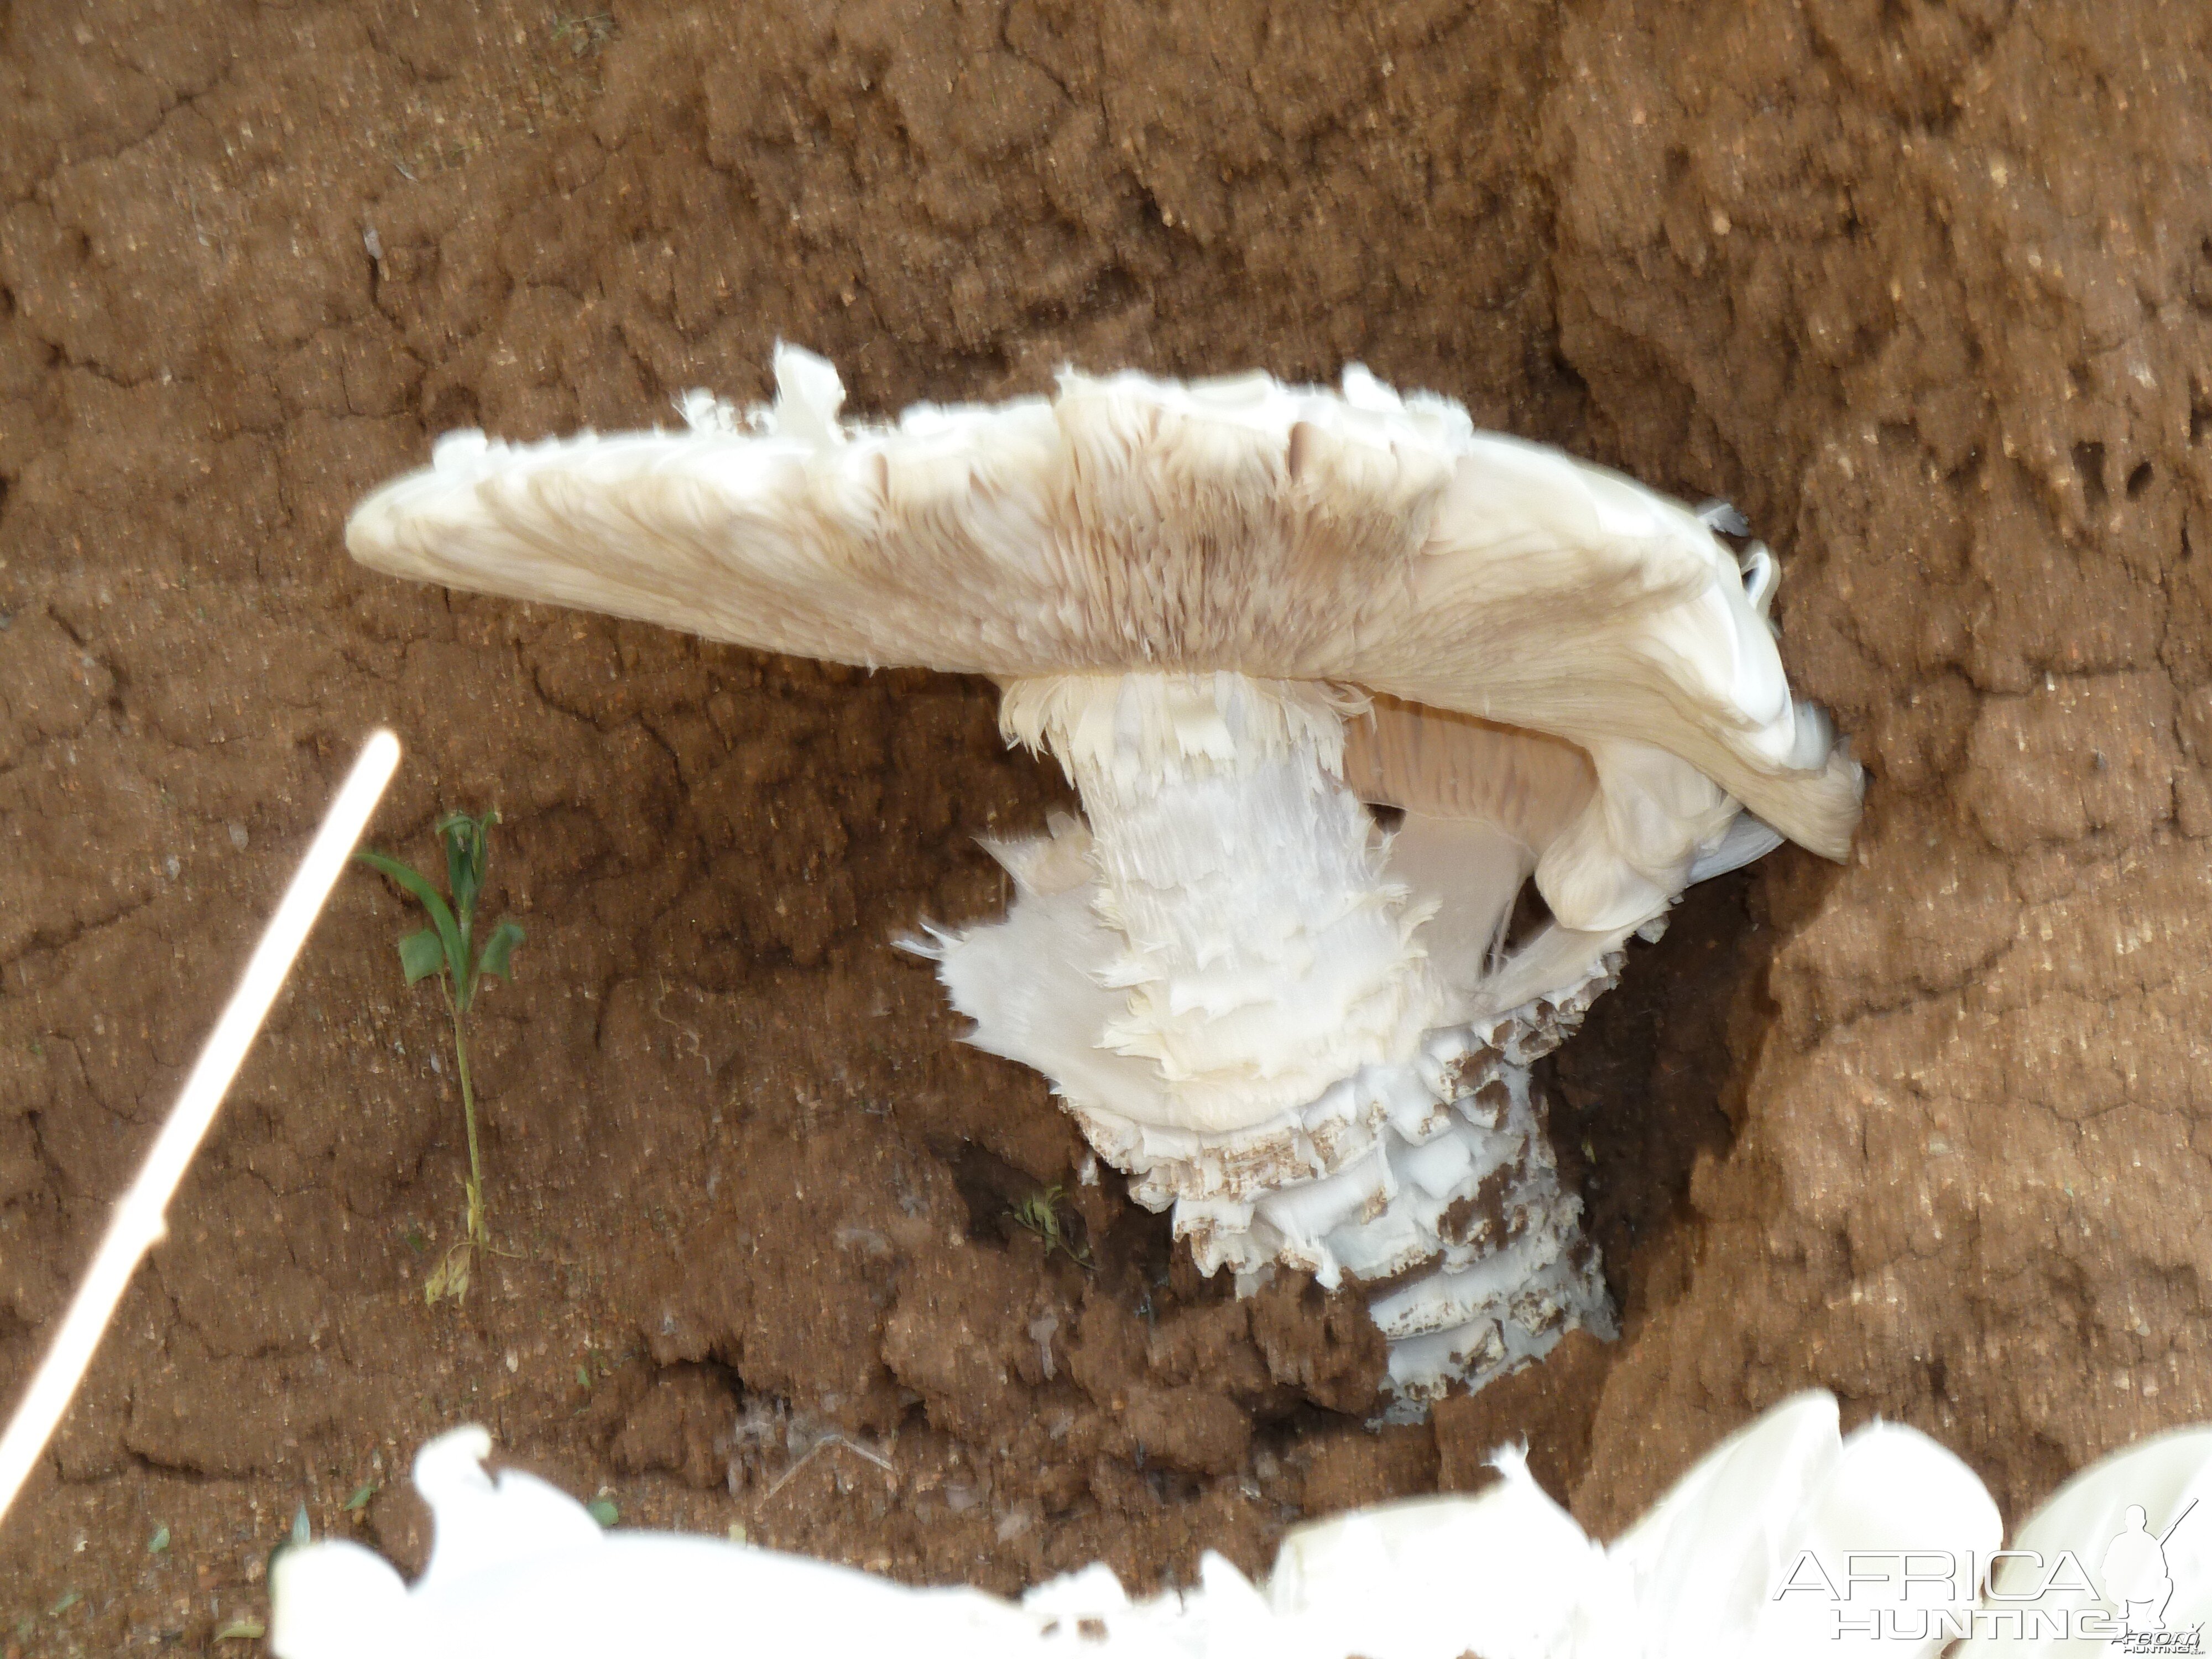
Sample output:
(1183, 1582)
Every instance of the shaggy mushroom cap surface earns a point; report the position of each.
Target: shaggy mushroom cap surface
(1373, 542)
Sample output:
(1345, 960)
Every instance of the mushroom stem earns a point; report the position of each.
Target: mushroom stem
(1259, 952)
(1234, 998)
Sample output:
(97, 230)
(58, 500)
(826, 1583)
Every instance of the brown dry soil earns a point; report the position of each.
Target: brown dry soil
(1925, 287)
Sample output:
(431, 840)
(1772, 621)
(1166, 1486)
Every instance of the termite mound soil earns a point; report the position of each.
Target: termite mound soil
(1924, 289)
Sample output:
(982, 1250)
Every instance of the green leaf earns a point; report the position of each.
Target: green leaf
(242, 1629)
(583, 1377)
(499, 948)
(466, 854)
(421, 955)
(301, 1532)
(449, 932)
(71, 1598)
(359, 1501)
(159, 1541)
(603, 1510)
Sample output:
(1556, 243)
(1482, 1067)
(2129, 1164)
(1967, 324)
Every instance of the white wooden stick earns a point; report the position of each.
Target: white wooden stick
(140, 1219)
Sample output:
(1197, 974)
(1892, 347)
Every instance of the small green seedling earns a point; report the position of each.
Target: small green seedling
(1039, 1213)
(448, 948)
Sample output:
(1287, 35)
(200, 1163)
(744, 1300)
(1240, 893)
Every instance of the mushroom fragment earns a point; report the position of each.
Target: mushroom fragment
(1238, 614)
(1789, 1538)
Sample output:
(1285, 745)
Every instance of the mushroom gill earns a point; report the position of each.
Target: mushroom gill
(1239, 614)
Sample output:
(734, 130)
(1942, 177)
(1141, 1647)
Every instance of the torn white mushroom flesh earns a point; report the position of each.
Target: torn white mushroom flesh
(1239, 614)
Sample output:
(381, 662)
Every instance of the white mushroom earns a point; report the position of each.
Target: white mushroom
(1789, 1539)
(1235, 612)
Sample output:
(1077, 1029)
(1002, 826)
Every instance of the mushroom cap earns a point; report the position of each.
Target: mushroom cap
(1357, 537)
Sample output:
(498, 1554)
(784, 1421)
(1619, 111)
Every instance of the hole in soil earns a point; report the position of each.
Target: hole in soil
(1638, 1095)
(2089, 463)
(1003, 1202)
(2139, 480)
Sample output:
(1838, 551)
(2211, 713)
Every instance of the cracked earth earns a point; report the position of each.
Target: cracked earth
(1925, 289)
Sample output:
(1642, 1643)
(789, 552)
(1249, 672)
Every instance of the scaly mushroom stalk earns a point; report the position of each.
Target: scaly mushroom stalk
(1249, 944)
(1236, 1002)
(1238, 612)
